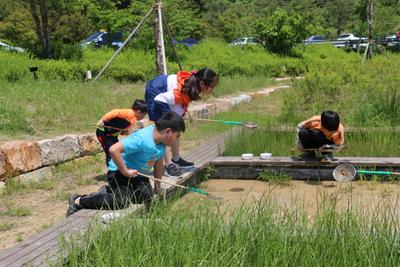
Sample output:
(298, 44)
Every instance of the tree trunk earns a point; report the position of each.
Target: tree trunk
(45, 28)
(41, 25)
(161, 66)
(370, 16)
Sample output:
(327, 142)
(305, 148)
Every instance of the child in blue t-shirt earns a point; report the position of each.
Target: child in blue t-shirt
(139, 152)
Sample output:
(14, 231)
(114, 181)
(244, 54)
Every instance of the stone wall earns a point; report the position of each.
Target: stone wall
(28, 159)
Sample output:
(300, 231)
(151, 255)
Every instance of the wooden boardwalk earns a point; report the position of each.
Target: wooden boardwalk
(45, 248)
(236, 167)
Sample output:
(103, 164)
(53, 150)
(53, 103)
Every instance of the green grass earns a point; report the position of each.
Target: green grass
(263, 234)
(14, 186)
(364, 95)
(5, 226)
(234, 85)
(17, 212)
(368, 144)
(275, 178)
(47, 108)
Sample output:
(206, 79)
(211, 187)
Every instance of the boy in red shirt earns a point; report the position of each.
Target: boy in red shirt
(119, 121)
(317, 131)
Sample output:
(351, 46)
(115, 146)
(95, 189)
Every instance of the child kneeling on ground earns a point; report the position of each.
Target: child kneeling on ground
(139, 152)
(317, 131)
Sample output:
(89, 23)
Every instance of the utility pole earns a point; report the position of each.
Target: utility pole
(370, 18)
(160, 48)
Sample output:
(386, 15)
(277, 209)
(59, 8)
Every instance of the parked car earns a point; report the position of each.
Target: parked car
(350, 37)
(392, 40)
(246, 41)
(11, 48)
(314, 39)
(189, 42)
(103, 38)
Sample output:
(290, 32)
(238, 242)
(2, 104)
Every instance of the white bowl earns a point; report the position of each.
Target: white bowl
(247, 156)
(265, 155)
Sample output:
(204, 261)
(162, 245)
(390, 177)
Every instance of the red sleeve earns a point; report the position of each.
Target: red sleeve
(127, 114)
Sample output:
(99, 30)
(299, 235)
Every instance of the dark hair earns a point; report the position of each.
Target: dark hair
(171, 120)
(139, 104)
(192, 85)
(330, 120)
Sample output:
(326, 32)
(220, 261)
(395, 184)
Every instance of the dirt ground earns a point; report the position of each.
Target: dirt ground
(30, 210)
(309, 195)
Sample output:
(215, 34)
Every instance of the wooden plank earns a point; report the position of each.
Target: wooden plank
(219, 140)
(201, 150)
(34, 240)
(55, 254)
(50, 246)
(288, 162)
(235, 167)
(210, 145)
(25, 252)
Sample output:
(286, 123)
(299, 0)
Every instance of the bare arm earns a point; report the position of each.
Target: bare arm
(158, 173)
(116, 151)
(100, 123)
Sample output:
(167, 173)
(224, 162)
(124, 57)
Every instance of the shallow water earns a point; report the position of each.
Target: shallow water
(309, 195)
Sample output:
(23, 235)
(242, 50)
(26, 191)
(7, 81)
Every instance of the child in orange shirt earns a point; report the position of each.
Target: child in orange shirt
(317, 131)
(119, 121)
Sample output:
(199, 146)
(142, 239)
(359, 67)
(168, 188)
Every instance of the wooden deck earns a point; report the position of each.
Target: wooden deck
(45, 248)
(236, 167)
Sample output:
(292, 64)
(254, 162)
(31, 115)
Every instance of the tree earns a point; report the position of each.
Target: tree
(40, 17)
(281, 31)
(45, 15)
(341, 14)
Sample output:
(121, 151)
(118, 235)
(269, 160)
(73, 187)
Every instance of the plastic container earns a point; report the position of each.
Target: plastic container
(247, 156)
(111, 216)
(265, 155)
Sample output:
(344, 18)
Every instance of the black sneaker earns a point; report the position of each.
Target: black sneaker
(72, 206)
(172, 171)
(327, 158)
(183, 164)
(308, 155)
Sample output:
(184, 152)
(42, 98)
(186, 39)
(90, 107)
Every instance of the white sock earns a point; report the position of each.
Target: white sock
(176, 158)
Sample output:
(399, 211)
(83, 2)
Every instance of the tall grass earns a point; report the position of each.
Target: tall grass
(366, 94)
(262, 234)
(44, 108)
(139, 65)
(53, 107)
(359, 143)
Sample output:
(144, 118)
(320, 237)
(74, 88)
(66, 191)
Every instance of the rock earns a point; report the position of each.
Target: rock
(2, 186)
(2, 166)
(202, 111)
(36, 175)
(58, 150)
(223, 104)
(240, 99)
(21, 156)
(88, 144)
